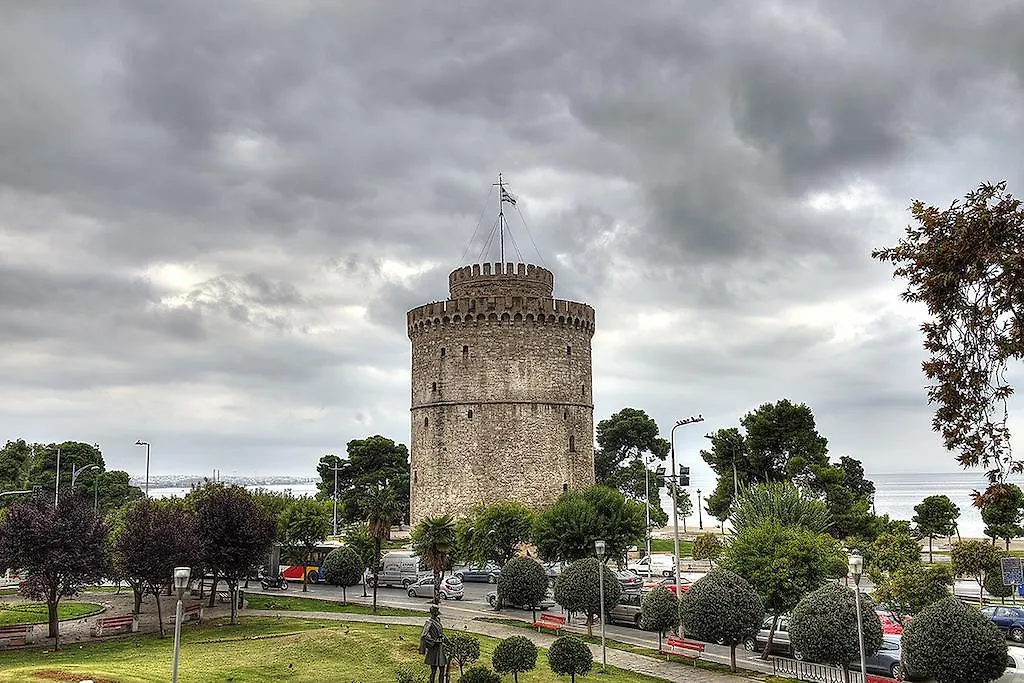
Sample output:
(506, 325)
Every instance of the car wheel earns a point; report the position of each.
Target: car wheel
(406, 583)
(444, 596)
(412, 593)
(608, 619)
(666, 573)
(750, 645)
(311, 576)
(492, 600)
(1017, 634)
(636, 621)
(896, 671)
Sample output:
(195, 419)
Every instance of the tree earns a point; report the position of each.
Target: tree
(380, 510)
(1003, 515)
(234, 535)
(463, 648)
(523, 581)
(707, 547)
(783, 563)
(358, 538)
(494, 532)
(783, 502)
(58, 549)
(847, 496)
(433, 540)
(823, 626)
(995, 587)
(722, 607)
(577, 589)
(979, 650)
(908, 590)
(566, 530)
(570, 656)
(373, 462)
(964, 264)
(514, 655)
(892, 550)
(626, 442)
(274, 504)
(935, 516)
(659, 611)
(343, 567)
(305, 523)
(684, 503)
(974, 559)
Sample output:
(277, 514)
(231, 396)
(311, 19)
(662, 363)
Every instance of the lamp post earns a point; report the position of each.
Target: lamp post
(140, 442)
(75, 472)
(335, 467)
(675, 495)
(599, 548)
(56, 487)
(855, 565)
(700, 519)
(181, 577)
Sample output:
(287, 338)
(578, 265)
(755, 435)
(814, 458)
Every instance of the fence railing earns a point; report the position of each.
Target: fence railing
(820, 673)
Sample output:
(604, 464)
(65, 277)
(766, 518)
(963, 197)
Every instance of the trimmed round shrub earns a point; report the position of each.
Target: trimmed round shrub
(522, 582)
(343, 567)
(994, 585)
(570, 656)
(577, 588)
(953, 643)
(462, 648)
(659, 610)
(823, 625)
(514, 655)
(721, 607)
(479, 674)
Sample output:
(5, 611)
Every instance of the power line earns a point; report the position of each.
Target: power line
(479, 220)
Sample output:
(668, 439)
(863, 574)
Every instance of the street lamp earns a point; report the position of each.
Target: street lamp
(675, 495)
(181, 577)
(75, 472)
(335, 467)
(855, 565)
(56, 487)
(735, 478)
(599, 548)
(140, 442)
(700, 518)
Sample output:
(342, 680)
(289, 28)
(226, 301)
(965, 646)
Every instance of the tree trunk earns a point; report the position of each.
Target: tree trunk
(929, 550)
(437, 587)
(233, 593)
(213, 590)
(305, 579)
(732, 657)
(590, 625)
(51, 616)
(137, 594)
(344, 596)
(846, 674)
(771, 637)
(159, 613)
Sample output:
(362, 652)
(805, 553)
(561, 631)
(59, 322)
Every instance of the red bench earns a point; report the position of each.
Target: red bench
(15, 635)
(129, 622)
(193, 612)
(682, 648)
(551, 621)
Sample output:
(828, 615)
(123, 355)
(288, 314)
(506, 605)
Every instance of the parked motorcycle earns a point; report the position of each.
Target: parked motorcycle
(274, 582)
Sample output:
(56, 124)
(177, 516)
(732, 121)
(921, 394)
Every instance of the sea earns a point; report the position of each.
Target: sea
(896, 494)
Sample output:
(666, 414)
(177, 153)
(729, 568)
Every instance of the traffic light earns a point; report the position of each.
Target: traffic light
(684, 476)
(659, 477)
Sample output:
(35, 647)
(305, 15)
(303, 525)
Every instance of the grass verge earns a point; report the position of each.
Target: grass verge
(12, 613)
(297, 604)
(667, 545)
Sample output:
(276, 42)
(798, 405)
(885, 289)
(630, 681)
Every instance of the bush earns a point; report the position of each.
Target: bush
(659, 611)
(823, 626)
(407, 675)
(995, 587)
(707, 547)
(954, 643)
(463, 648)
(522, 582)
(722, 607)
(343, 567)
(570, 656)
(514, 655)
(479, 674)
(577, 589)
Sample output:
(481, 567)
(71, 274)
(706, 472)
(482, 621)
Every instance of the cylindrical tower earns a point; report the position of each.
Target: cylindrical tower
(502, 403)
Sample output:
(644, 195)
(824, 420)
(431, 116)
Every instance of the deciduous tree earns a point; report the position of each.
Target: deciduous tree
(523, 582)
(722, 607)
(659, 612)
(707, 547)
(566, 531)
(514, 655)
(1003, 515)
(823, 627)
(908, 590)
(462, 648)
(935, 516)
(952, 642)
(570, 656)
(343, 567)
(974, 559)
(494, 532)
(305, 523)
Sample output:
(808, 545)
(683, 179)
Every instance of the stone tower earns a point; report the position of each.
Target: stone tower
(502, 403)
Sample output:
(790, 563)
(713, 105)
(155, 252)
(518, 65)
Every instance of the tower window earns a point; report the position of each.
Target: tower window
(565, 488)
(433, 387)
(565, 415)
(426, 422)
(568, 351)
(442, 352)
(572, 444)
(583, 390)
(470, 414)
(414, 476)
(465, 350)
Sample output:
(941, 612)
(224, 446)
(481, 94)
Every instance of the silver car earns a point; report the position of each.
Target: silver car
(547, 603)
(627, 611)
(780, 641)
(451, 588)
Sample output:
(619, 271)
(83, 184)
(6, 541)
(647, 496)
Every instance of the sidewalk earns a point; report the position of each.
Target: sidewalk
(670, 671)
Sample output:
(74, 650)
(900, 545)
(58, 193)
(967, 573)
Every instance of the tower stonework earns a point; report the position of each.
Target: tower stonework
(502, 402)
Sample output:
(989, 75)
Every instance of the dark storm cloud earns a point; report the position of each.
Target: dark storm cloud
(246, 198)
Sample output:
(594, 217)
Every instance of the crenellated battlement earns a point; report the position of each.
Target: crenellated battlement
(486, 279)
(505, 310)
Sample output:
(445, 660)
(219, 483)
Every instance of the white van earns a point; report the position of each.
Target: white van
(654, 565)
(398, 568)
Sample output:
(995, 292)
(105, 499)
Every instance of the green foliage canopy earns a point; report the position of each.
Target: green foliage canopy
(823, 626)
(626, 441)
(433, 540)
(570, 656)
(343, 567)
(783, 502)
(953, 642)
(514, 655)
(577, 589)
(370, 463)
(722, 607)
(494, 532)
(659, 610)
(908, 590)
(522, 582)
(567, 530)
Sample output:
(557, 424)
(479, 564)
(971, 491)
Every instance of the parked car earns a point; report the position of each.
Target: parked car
(668, 582)
(399, 568)
(780, 641)
(553, 570)
(887, 661)
(891, 625)
(547, 603)
(630, 580)
(1009, 619)
(487, 573)
(626, 612)
(451, 588)
(1014, 666)
(654, 565)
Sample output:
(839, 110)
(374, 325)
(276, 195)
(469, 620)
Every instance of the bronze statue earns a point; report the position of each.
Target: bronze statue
(432, 646)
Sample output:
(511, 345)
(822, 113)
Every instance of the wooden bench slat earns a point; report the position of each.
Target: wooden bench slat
(551, 621)
(682, 648)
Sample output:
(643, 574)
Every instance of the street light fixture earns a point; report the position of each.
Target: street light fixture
(140, 442)
(675, 495)
(599, 549)
(855, 565)
(700, 517)
(181, 578)
(75, 472)
(335, 467)
(14, 493)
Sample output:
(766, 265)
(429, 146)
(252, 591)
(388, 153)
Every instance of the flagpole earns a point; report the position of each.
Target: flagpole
(501, 219)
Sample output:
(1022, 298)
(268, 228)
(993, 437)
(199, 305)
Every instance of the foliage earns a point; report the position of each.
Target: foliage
(684, 502)
(380, 510)
(406, 674)
(514, 655)
(626, 441)
(373, 462)
(305, 523)
(782, 502)
(273, 504)
(58, 549)
(994, 585)
(433, 540)
(343, 567)
(463, 648)
(577, 589)
(847, 496)
(935, 516)
(494, 532)
(908, 590)
(707, 547)
(566, 530)
(964, 264)
(952, 642)
(570, 656)
(974, 559)
(823, 626)
(479, 674)
(1003, 514)
(659, 611)
(358, 538)
(892, 550)
(522, 581)
(721, 607)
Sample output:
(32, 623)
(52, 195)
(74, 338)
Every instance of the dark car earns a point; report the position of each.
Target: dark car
(487, 573)
(630, 580)
(1010, 620)
(887, 661)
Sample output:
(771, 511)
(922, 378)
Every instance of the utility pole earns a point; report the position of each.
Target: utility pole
(56, 488)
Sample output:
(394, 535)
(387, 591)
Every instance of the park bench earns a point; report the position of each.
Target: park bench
(15, 635)
(193, 612)
(104, 624)
(551, 621)
(687, 649)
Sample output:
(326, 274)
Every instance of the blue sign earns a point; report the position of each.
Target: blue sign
(1013, 575)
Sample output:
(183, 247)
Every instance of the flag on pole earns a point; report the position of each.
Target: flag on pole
(506, 197)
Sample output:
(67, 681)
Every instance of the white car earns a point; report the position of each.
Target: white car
(451, 588)
(654, 565)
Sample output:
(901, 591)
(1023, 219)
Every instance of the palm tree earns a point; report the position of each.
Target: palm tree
(433, 539)
(781, 501)
(382, 511)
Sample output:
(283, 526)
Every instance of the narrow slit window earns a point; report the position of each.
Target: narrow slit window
(470, 414)
(583, 390)
(426, 422)
(568, 351)
(414, 477)
(465, 350)
(433, 387)
(572, 444)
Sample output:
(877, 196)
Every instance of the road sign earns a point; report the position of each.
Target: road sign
(1013, 575)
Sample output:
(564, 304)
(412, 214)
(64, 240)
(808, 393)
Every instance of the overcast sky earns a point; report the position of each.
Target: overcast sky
(214, 215)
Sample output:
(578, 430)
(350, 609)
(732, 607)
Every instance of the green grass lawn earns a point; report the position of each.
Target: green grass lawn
(12, 613)
(259, 649)
(294, 603)
(667, 545)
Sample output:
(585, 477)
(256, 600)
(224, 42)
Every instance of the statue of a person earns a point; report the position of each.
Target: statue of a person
(432, 646)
